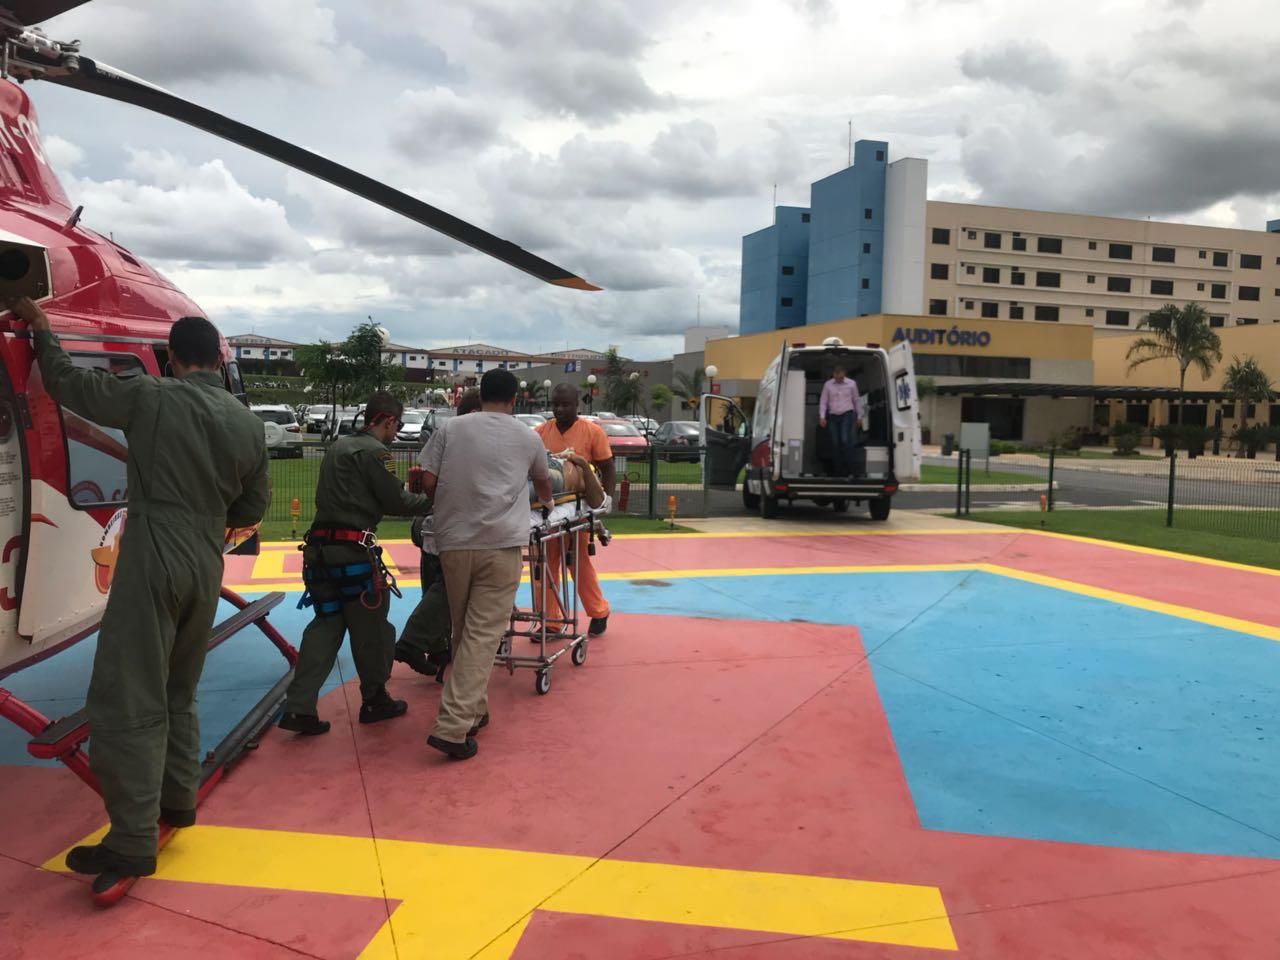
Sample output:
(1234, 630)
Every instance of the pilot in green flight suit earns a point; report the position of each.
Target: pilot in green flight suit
(197, 465)
(345, 582)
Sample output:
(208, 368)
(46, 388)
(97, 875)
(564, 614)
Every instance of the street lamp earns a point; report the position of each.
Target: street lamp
(635, 375)
(711, 372)
(384, 338)
(591, 391)
(524, 397)
(546, 392)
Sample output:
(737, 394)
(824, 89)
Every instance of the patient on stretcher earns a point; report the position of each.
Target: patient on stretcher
(571, 476)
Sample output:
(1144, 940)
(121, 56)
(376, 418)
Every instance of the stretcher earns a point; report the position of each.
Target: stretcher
(553, 636)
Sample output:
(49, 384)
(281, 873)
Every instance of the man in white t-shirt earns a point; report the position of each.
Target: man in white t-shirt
(477, 472)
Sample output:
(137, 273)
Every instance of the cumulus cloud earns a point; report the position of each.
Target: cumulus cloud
(186, 40)
(172, 210)
(431, 124)
(1029, 64)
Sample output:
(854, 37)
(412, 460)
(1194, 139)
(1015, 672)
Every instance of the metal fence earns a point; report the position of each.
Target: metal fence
(1227, 496)
(645, 484)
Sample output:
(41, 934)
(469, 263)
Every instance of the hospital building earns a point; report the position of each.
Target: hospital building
(1022, 317)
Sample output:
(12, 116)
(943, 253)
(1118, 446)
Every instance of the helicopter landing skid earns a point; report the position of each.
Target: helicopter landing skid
(63, 740)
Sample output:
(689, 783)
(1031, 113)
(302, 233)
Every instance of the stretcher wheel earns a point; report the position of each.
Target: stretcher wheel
(542, 682)
(579, 654)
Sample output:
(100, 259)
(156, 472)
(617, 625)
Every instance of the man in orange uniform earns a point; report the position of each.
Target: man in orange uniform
(566, 431)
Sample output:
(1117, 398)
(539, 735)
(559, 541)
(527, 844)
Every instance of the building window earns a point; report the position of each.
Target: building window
(987, 368)
(879, 154)
(1088, 311)
(1217, 321)
(1020, 243)
(1017, 278)
(1046, 279)
(1048, 245)
(1093, 244)
(804, 218)
(991, 310)
(968, 304)
(786, 301)
(1246, 321)
(1228, 410)
(990, 274)
(1218, 291)
(969, 270)
(1119, 284)
(1090, 279)
(1220, 258)
(1163, 254)
(1047, 313)
(1203, 255)
(1015, 313)
(938, 308)
(788, 271)
(1117, 318)
(866, 284)
(866, 213)
(866, 248)
(1248, 293)
(1120, 251)
(972, 234)
(1162, 288)
(941, 235)
(1200, 288)
(939, 271)
(991, 241)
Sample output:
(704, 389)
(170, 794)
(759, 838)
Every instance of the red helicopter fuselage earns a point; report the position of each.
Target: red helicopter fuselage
(62, 487)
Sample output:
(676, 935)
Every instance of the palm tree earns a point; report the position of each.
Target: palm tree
(689, 387)
(1181, 334)
(1248, 383)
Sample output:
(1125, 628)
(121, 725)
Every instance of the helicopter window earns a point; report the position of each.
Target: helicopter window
(96, 455)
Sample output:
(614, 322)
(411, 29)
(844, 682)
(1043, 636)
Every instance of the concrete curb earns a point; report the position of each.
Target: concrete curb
(976, 488)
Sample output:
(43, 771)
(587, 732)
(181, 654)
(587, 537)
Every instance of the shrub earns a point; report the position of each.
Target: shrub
(1127, 436)
(1252, 438)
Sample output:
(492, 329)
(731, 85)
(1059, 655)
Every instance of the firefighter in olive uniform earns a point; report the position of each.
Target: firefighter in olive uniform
(197, 464)
(345, 580)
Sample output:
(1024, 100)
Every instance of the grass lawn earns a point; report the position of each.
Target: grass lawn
(1090, 455)
(931, 473)
(394, 529)
(1145, 528)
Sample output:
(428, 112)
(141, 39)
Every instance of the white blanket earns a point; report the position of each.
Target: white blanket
(568, 511)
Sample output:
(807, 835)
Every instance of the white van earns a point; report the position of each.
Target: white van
(785, 453)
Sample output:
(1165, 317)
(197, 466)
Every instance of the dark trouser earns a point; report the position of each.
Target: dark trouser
(840, 427)
(144, 745)
(427, 629)
(372, 641)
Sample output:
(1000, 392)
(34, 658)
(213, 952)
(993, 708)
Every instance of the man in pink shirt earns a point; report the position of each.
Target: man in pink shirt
(838, 408)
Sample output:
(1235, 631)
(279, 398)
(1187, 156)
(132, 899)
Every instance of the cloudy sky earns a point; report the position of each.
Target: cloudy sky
(633, 141)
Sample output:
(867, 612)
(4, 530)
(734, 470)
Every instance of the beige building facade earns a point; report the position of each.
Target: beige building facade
(1002, 263)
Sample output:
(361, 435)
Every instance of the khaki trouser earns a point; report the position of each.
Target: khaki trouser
(482, 588)
(144, 744)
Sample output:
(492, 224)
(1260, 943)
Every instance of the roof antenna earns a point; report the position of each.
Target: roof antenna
(851, 143)
(775, 203)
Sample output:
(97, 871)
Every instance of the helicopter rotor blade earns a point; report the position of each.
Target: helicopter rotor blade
(31, 12)
(106, 81)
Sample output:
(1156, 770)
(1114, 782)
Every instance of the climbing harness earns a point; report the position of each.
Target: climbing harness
(327, 587)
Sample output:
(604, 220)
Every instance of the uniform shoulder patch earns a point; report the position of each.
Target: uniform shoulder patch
(388, 461)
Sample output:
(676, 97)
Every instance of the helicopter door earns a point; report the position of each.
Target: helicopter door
(77, 509)
(13, 501)
(726, 438)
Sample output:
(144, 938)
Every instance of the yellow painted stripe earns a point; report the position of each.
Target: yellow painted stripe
(701, 573)
(464, 902)
(1156, 552)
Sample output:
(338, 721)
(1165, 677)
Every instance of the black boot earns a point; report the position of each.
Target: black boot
(478, 726)
(382, 707)
(454, 751)
(99, 859)
(307, 724)
(416, 660)
(174, 817)
(598, 626)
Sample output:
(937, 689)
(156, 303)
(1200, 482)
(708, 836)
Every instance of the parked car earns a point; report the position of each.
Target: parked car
(644, 425)
(315, 418)
(604, 415)
(410, 432)
(280, 429)
(531, 420)
(339, 423)
(676, 434)
(624, 439)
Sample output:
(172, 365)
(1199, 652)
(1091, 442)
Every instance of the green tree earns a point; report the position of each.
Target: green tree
(689, 387)
(370, 367)
(326, 369)
(623, 391)
(1248, 383)
(660, 397)
(1181, 334)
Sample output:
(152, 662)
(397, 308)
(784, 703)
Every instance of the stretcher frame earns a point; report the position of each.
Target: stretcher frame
(554, 636)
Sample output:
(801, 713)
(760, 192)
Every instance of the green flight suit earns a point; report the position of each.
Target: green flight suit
(354, 491)
(197, 464)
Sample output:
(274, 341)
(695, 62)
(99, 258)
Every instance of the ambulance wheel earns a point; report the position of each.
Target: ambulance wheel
(880, 508)
(768, 507)
(542, 682)
(579, 654)
(749, 500)
(840, 505)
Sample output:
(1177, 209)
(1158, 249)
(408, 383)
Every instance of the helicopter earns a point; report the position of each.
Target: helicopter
(63, 490)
